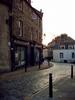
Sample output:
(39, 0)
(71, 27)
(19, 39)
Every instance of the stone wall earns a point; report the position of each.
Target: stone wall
(32, 28)
(4, 37)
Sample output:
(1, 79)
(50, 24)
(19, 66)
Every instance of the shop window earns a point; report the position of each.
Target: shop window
(20, 56)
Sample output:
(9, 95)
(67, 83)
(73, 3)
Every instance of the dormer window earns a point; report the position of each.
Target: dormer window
(34, 16)
(29, 1)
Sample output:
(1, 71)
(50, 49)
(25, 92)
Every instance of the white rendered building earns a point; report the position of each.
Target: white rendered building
(64, 55)
(62, 48)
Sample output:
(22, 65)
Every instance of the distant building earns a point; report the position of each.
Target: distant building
(20, 34)
(62, 48)
(45, 52)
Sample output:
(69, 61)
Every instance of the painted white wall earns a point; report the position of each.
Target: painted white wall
(67, 55)
(45, 52)
(74, 46)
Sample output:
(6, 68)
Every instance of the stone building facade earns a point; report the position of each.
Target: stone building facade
(21, 34)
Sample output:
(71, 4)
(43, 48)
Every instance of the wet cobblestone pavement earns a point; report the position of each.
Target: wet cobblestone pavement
(23, 86)
(28, 84)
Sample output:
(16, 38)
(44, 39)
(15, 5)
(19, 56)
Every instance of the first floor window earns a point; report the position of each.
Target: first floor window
(21, 5)
(20, 26)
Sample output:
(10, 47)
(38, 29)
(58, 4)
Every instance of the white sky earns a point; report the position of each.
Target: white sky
(59, 17)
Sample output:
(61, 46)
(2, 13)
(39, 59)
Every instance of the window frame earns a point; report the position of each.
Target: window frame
(19, 60)
(61, 55)
(73, 55)
(20, 26)
(21, 5)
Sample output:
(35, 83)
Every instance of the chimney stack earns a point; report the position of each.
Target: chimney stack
(29, 1)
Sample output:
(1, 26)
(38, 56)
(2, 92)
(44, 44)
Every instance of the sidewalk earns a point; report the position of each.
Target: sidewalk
(19, 84)
(20, 72)
(29, 68)
(64, 89)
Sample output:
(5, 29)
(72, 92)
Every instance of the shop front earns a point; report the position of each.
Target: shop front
(20, 54)
(26, 54)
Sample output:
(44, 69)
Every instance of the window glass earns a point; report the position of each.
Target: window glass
(21, 5)
(20, 26)
(73, 54)
(20, 56)
(17, 56)
(61, 55)
(34, 16)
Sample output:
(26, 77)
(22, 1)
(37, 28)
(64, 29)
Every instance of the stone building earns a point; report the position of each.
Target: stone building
(62, 48)
(20, 34)
(45, 52)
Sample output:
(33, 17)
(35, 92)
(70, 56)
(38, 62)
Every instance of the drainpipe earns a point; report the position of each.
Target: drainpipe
(12, 52)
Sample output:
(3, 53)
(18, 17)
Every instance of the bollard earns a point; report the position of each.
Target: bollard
(71, 71)
(48, 62)
(39, 64)
(50, 86)
(25, 68)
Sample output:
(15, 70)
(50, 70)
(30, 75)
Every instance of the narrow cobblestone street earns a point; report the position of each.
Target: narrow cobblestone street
(26, 85)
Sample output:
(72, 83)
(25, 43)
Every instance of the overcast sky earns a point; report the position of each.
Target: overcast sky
(59, 17)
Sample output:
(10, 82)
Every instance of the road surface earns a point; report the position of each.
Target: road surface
(31, 83)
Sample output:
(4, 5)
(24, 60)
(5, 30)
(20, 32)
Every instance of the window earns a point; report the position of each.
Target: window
(20, 26)
(73, 55)
(61, 55)
(20, 56)
(71, 47)
(34, 16)
(21, 5)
